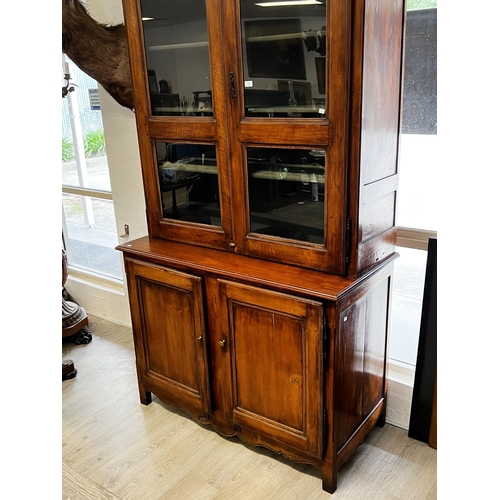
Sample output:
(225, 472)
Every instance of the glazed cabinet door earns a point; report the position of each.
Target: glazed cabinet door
(287, 118)
(179, 83)
(242, 115)
(270, 367)
(169, 336)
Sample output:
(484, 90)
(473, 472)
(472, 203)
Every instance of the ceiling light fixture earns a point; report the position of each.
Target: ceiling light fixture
(288, 3)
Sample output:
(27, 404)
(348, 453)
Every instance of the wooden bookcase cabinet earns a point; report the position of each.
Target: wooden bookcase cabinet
(280, 342)
(297, 365)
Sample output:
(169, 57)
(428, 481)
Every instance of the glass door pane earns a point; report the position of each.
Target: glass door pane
(287, 193)
(189, 182)
(284, 53)
(176, 42)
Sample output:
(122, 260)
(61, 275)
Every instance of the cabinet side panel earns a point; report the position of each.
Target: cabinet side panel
(349, 366)
(378, 216)
(375, 346)
(381, 89)
(380, 117)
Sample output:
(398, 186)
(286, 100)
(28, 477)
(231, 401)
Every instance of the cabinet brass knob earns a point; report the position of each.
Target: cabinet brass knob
(199, 339)
(222, 343)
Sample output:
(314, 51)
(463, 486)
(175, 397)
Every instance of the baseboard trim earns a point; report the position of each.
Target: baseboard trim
(100, 297)
(399, 394)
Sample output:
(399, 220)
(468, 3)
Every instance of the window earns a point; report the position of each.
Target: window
(418, 154)
(407, 296)
(89, 228)
(417, 203)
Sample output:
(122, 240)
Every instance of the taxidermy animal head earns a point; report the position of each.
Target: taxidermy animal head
(99, 50)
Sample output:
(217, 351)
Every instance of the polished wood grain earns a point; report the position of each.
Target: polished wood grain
(302, 373)
(273, 366)
(376, 346)
(115, 448)
(349, 371)
(381, 88)
(206, 261)
(169, 329)
(359, 133)
(378, 57)
(376, 101)
(280, 342)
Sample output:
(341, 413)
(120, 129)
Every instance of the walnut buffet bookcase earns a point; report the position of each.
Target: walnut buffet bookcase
(260, 300)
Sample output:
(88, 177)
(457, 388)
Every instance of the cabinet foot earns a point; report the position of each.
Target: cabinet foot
(329, 477)
(145, 396)
(381, 420)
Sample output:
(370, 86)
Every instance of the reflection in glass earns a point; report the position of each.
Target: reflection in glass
(287, 193)
(176, 41)
(188, 177)
(284, 49)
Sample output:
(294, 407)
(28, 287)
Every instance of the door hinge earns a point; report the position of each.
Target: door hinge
(325, 433)
(232, 85)
(348, 231)
(325, 337)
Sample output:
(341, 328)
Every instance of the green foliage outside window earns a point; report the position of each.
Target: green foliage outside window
(68, 152)
(94, 144)
(420, 4)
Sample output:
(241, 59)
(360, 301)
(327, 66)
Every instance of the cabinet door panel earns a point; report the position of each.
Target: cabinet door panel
(274, 364)
(168, 321)
(268, 368)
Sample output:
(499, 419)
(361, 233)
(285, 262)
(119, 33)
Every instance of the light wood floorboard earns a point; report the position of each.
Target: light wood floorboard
(115, 448)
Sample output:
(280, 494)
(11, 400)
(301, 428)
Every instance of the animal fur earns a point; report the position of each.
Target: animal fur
(99, 50)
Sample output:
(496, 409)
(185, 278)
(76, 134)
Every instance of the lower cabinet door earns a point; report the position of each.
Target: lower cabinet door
(169, 334)
(272, 346)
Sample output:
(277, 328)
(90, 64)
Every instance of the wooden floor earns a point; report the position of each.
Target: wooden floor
(115, 448)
